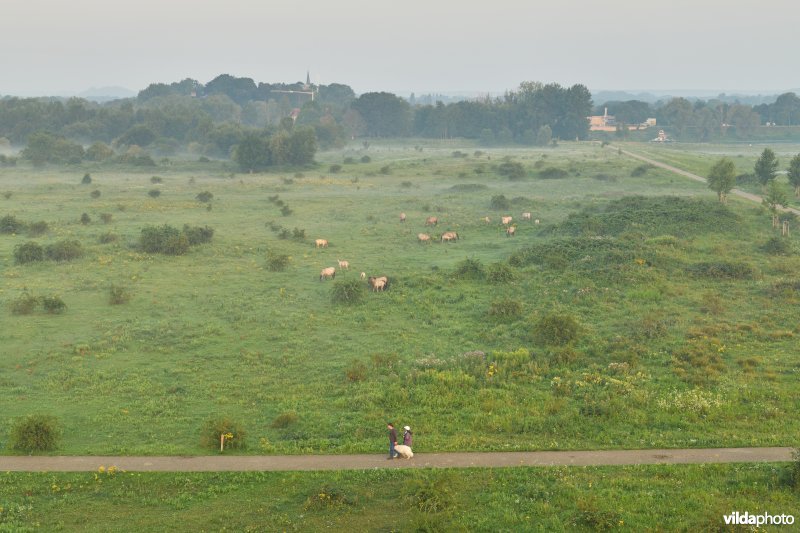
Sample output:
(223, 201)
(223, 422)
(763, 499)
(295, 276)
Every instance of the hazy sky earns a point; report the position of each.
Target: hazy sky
(53, 46)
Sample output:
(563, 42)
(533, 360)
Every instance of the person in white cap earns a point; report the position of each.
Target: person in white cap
(407, 436)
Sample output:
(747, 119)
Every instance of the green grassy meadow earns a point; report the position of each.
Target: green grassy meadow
(686, 326)
(635, 498)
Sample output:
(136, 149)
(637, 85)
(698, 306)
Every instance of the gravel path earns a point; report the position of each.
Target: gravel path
(366, 462)
(749, 196)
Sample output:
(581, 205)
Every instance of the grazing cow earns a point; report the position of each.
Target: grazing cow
(526, 216)
(487, 220)
(449, 236)
(327, 273)
(344, 265)
(402, 217)
(510, 231)
(321, 243)
(423, 237)
(536, 221)
(404, 451)
(363, 275)
(431, 221)
(378, 283)
(506, 220)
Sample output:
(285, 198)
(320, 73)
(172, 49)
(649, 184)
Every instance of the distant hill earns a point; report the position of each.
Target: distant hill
(651, 97)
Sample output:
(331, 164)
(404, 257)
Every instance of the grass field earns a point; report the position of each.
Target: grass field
(685, 327)
(642, 498)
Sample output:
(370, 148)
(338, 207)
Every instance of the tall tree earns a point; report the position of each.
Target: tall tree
(385, 114)
(794, 174)
(776, 196)
(722, 178)
(252, 153)
(766, 167)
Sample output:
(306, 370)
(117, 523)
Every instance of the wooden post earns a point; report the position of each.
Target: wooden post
(785, 228)
(774, 221)
(221, 441)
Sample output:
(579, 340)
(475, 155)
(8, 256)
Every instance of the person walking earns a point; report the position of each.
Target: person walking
(392, 440)
(407, 436)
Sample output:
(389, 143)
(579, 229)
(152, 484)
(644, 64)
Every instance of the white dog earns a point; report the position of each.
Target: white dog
(404, 451)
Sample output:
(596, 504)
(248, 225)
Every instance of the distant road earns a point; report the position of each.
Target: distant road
(749, 196)
(262, 463)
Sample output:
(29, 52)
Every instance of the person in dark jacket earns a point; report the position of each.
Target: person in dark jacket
(392, 440)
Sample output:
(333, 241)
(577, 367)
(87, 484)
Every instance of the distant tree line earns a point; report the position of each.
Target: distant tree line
(215, 119)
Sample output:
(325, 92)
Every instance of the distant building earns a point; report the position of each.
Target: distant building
(606, 122)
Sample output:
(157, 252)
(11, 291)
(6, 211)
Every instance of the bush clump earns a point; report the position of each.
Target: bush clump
(53, 305)
(347, 292)
(28, 252)
(118, 295)
(108, 238)
(722, 270)
(335, 169)
(470, 269)
(65, 250)
(556, 329)
(641, 170)
(366, 159)
(553, 173)
(204, 197)
(156, 179)
(34, 433)
(506, 309)
(777, 246)
(38, 229)
(284, 420)
(500, 273)
(85, 219)
(232, 432)
(499, 202)
(512, 170)
(198, 235)
(153, 193)
(87, 179)
(164, 239)
(277, 262)
(95, 194)
(356, 371)
(24, 305)
(106, 217)
(9, 224)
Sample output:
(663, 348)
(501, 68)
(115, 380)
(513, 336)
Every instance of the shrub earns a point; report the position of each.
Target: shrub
(328, 496)
(213, 428)
(470, 269)
(553, 173)
(335, 169)
(356, 371)
(153, 193)
(204, 197)
(512, 170)
(385, 170)
(349, 160)
(430, 496)
(285, 211)
(156, 179)
(197, 235)
(284, 420)
(34, 433)
(506, 309)
(85, 219)
(641, 170)
(499, 202)
(106, 217)
(604, 177)
(65, 250)
(24, 305)
(95, 193)
(163, 240)
(9, 224)
(38, 228)
(118, 295)
(277, 262)
(722, 270)
(406, 184)
(347, 292)
(298, 234)
(87, 179)
(28, 252)
(53, 305)
(777, 246)
(556, 329)
(108, 237)
(366, 159)
(500, 273)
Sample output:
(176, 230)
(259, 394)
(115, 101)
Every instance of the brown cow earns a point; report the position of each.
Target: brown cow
(321, 243)
(449, 236)
(423, 237)
(402, 217)
(431, 221)
(510, 231)
(506, 220)
(327, 273)
(378, 283)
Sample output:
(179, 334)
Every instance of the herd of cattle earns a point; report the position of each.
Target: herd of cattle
(380, 283)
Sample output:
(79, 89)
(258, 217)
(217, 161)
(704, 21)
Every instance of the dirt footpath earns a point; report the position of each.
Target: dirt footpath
(233, 463)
